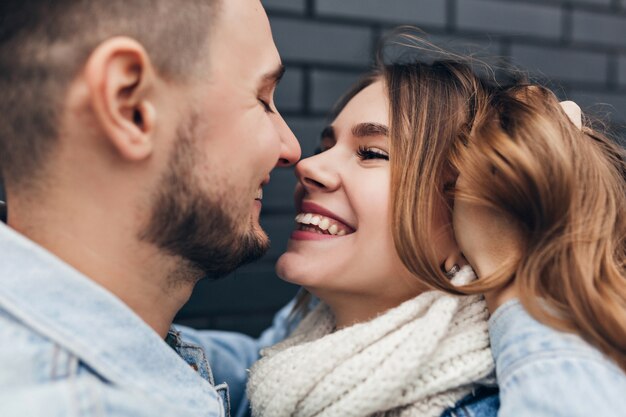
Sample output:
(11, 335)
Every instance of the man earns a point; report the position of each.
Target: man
(136, 137)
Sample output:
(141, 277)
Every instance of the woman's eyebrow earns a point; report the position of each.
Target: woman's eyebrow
(370, 129)
(360, 130)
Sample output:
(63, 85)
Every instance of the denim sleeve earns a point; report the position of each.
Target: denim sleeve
(87, 396)
(544, 372)
(230, 354)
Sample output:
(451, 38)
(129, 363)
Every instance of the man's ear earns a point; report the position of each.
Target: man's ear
(120, 78)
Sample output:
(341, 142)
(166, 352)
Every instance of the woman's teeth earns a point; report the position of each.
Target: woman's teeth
(319, 224)
(259, 194)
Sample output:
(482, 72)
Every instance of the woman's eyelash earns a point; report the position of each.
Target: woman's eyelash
(363, 153)
(371, 153)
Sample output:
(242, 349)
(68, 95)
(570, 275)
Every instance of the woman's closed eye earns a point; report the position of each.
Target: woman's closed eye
(366, 153)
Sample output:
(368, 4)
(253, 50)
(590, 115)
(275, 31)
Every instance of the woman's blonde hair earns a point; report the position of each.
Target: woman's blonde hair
(521, 156)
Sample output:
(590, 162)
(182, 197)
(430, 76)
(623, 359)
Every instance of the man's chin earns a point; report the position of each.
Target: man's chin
(205, 229)
(205, 240)
(253, 245)
(258, 243)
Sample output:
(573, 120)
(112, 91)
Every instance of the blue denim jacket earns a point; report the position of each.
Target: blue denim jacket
(70, 348)
(544, 373)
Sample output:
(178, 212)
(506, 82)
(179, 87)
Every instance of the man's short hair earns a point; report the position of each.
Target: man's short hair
(45, 43)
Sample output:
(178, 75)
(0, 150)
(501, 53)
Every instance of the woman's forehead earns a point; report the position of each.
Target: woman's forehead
(371, 105)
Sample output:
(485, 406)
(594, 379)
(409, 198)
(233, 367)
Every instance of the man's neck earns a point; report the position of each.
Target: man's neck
(106, 250)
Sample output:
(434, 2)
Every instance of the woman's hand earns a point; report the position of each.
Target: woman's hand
(573, 112)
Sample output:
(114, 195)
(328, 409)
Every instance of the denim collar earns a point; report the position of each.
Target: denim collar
(63, 305)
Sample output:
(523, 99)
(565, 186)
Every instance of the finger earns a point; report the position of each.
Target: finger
(573, 112)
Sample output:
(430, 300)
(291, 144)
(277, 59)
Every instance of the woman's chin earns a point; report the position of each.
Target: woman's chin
(285, 267)
(292, 268)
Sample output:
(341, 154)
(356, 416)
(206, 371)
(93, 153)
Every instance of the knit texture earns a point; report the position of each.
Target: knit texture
(417, 359)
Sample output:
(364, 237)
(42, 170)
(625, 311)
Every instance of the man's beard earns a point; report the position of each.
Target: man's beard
(196, 227)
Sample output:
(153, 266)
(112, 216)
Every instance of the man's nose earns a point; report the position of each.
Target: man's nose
(290, 151)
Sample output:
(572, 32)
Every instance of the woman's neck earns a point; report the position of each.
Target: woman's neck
(353, 308)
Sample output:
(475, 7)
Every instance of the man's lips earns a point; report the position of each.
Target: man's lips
(259, 193)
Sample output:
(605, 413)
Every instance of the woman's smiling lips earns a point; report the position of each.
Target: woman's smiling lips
(317, 223)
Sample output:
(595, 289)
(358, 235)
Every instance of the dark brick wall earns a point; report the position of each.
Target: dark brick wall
(326, 44)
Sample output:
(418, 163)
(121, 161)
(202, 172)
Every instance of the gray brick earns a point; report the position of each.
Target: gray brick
(423, 12)
(483, 54)
(304, 41)
(328, 86)
(598, 2)
(510, 18)
(619, 133)
(252, 324)
(288, 95)
(562, 64)
(308, 131)
(277, 195)
(482, 47)
(279, 228)
(240, 291)
(285, 5)
(599, 28)
(605, 105)
(622, 70)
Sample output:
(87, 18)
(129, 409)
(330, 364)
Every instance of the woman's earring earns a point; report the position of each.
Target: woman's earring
(455, 268)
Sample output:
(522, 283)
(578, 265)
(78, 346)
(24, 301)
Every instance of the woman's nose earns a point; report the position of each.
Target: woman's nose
(318, 173)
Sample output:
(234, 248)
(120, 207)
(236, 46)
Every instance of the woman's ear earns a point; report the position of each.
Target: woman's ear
(453, 263)
(120, 77)
(454, 259)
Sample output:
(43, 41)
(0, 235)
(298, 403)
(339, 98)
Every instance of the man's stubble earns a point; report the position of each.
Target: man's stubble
(210, 229)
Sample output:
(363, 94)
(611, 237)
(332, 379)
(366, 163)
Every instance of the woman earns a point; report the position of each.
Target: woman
(373, 239)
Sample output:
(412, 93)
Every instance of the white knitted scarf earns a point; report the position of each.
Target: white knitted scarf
(417, 359)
